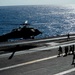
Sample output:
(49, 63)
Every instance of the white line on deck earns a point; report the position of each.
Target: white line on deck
(65, 72)
(27, 63)
(40, 48)
(35, 41)
(38, 60)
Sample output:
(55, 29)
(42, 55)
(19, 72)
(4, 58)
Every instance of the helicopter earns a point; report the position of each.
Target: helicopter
(24, 31)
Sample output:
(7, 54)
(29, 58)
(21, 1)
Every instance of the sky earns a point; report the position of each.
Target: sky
(35, 2)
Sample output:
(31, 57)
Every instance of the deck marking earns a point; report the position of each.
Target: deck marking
(27, 63)
(11, 44)
(65, 72)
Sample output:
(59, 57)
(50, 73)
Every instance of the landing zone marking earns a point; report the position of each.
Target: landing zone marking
(27, 63)
(65, 72)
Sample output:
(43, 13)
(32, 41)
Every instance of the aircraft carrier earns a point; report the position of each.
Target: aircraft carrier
(37, 57)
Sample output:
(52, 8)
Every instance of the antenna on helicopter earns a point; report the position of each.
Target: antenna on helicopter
(26, 22)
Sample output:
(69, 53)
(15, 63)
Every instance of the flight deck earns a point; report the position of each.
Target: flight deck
(40, 60)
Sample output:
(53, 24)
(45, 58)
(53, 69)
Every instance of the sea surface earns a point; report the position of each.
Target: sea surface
(51, 20)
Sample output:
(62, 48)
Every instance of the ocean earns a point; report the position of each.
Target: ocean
(50, 20)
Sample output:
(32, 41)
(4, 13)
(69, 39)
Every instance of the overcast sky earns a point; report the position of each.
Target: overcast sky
(35, 2)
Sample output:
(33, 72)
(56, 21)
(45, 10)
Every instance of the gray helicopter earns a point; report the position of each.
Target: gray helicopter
(24, 31)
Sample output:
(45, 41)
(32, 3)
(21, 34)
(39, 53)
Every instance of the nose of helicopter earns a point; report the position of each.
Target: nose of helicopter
(38, 32)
